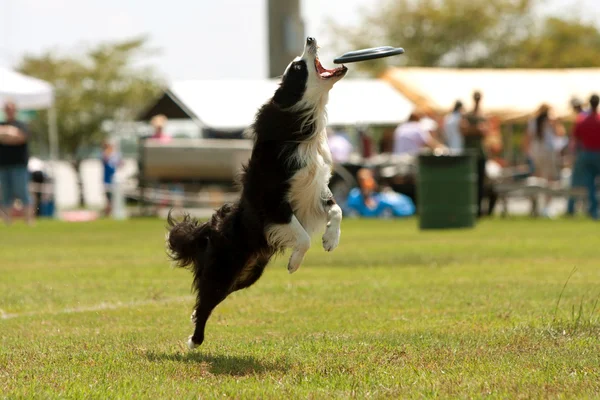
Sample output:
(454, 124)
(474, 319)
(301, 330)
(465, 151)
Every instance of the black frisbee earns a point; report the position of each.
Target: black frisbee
(369, 54)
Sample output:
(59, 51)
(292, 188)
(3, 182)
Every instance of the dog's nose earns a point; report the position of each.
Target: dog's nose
(310, 40)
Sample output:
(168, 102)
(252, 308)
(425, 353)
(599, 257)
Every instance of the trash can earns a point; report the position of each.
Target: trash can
(447, 191)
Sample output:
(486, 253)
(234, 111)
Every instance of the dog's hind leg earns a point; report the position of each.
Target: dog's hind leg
(210, 295)
(331, 237)
(292, 235)
(213, 285)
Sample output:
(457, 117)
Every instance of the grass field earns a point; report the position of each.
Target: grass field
(95, 311)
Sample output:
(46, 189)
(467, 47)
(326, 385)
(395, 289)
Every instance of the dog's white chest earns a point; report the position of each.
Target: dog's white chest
(309, 185)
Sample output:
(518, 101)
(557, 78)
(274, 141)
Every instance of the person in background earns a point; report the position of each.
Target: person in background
(367, 185)
(159, 122)
(577, 179)
(111, 160)
(340, 146)
(429, 124)
(165, 194)
(386, 143)
(453, 136)
(542, 131)
(366, 143)
(493, 167)
(577, 106)
(14, 157)
(587, 134)
(411, 137)
(474, 128)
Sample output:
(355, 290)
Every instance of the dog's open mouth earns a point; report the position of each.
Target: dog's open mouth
(325, 73)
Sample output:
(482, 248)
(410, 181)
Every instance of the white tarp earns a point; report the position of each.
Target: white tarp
(507, 93)
(232, 104)
(29, 93)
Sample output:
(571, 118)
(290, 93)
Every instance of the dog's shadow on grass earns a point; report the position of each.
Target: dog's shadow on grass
(220, 364)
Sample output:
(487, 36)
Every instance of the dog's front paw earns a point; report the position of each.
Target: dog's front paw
(295, 261)
(331, 238)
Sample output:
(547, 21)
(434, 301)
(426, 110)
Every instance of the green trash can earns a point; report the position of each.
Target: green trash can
(447, 191)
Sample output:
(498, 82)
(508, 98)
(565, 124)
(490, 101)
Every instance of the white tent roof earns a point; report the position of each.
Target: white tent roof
(29, 93)
(232, 104)
(507, 93)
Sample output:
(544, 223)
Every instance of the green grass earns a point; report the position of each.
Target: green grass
(95, 311)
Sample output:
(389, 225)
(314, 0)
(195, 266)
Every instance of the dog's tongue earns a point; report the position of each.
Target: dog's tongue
(324, 72)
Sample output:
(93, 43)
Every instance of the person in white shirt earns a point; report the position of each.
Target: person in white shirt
(452, 133)
(411, 137)
(429, 125)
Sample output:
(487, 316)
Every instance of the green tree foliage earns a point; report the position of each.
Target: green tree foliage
(472, 33)
(109, 81)
(560, 43)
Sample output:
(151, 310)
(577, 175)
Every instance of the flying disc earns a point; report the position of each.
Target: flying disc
(369, 54)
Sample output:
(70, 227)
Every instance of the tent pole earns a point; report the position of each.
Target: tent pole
(53, 144)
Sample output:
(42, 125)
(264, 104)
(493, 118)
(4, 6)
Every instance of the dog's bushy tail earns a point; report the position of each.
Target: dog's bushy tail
(187, 241)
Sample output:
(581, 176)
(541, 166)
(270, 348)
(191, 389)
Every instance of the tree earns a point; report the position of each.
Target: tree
(560, 43)
(472, 33)
(107, 82)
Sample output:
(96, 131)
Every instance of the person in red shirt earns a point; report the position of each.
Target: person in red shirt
(587, 135)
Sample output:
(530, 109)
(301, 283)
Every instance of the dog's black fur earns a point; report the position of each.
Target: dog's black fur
(230, 252)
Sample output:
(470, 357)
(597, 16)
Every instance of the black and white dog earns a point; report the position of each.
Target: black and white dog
(285, 197)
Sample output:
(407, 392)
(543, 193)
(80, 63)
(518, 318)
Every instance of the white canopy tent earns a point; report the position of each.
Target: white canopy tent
(509, 94)
(31, 94)
(232, 104)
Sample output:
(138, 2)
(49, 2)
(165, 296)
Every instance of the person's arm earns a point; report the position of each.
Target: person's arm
(12, 136)
(435, 145)
(431, 142)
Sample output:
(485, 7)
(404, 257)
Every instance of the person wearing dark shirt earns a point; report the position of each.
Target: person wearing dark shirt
(14, 156)
(587, 135)
(474, 127)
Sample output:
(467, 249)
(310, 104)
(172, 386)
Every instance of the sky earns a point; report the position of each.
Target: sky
(197, 39)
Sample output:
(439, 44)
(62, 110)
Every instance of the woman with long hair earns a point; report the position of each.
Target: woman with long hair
(542, 131)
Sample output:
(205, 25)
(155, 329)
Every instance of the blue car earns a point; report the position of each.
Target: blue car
(388, 205)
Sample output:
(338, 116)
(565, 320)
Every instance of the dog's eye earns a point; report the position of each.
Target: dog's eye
(297, 67)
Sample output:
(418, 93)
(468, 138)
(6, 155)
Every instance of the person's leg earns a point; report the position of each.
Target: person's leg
(108, 207)
(595, 174)
(20, 182)
(577, 180)
(571, 206)
(552, 175)
(571, 202)
(7, 195)
(588, 178)
(547, 169)
(493, 198)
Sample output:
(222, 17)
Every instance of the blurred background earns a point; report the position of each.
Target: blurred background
(161, 93)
